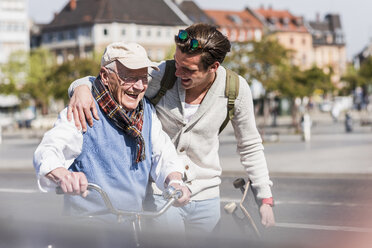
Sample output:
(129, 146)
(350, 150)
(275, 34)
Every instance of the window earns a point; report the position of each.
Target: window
(47, 38)
(235, 18)
(291, 41)
(139, 33)
(242, 35)
(70, 57)
(123, 32)
(71, 35)
(149, 33)
(258, 35)
(329, 39)
(160, 54)
(249, 35)
(233, 35)
(60, 36)
(304, 59)
(105, 32)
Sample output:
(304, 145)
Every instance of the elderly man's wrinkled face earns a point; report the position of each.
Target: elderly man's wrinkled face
(127, 86)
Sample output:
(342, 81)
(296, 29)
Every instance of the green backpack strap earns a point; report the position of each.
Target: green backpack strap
(167, 82)
(231, 92)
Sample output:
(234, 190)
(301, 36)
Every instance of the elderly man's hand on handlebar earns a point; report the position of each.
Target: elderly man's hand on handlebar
(73, 183)
(186, 194)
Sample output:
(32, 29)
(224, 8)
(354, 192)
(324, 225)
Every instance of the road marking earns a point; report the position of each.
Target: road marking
(314, 203)
(23, 191)
(325, 228)
(346, 204)
(277, 224)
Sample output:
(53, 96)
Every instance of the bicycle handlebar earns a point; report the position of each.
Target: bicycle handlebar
(170, 194)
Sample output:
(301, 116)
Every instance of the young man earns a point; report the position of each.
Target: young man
(192, 112)
(123, 148)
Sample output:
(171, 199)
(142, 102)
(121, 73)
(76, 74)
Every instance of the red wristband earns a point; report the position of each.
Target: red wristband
(268, 201)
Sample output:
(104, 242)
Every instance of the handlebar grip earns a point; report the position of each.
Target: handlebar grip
(170, 192)
(238, 183)
(59, 191)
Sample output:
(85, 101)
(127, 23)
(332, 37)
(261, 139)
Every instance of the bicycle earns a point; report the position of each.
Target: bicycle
(170, 194)
(231, 207)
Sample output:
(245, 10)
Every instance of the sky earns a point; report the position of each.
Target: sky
(355, 14)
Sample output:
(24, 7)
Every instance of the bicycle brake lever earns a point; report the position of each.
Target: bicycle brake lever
(178, 194)
(171, 192)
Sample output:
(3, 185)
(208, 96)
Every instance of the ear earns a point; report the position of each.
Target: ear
(104, 75)
(213, 68)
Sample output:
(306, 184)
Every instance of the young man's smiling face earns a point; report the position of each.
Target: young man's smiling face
(127, 86)
(189, 69)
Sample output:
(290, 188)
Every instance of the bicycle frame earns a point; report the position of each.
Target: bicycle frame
(231, 207)
(170, 194)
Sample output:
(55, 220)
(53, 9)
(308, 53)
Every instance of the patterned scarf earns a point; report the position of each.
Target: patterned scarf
(129, 123)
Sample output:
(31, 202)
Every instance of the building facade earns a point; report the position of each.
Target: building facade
(291, 33)
(363, 55)
(86, 26)
(238, 26)
(329, 46)
(14, 28)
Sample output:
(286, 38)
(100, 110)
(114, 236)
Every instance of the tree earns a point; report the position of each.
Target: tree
(13, 73)
(38, 86)
(63, 75)
(36, 76)
(269, 62)
(352, 78)
(366, 69)
(293, 83)
(260, 60)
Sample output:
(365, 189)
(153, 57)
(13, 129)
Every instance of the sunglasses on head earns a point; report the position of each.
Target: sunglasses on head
(183, 36)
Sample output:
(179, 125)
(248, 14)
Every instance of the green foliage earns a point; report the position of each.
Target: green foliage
(8, 88)
(63, 75)
(366, 72)
(13, 73)
(269, 62)
(37, 86)
(170, 52)
(354, 77)
(36, 76)
(259, 60)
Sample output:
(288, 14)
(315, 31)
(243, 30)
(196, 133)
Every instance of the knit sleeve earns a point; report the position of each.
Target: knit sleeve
(249, 142)
(88, 80)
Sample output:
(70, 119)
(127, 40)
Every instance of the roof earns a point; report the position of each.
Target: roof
(237, 19)
(88, 12)
(331, 25)
(282, 20)
(196, 14)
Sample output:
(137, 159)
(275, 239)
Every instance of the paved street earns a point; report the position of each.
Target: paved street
(324, 208)
(321, 187)
(331, 152)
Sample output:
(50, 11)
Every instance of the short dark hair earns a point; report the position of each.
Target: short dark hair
(213, 44)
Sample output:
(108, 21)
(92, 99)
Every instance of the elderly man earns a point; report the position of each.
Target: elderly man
(124, 147)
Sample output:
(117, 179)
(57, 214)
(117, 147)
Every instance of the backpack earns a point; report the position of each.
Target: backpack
(231, 91)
